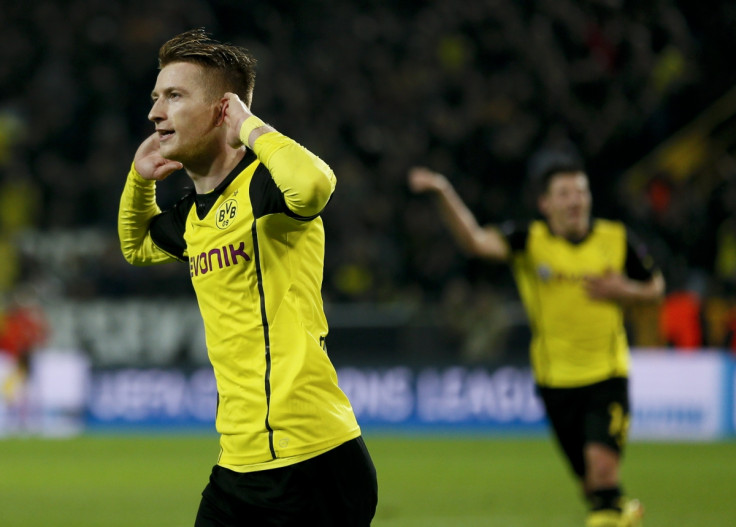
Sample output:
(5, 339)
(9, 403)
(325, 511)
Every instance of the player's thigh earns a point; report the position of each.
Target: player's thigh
(345, 488)
(608, 412)
(565, 409)
(337, 488)
(277, 497)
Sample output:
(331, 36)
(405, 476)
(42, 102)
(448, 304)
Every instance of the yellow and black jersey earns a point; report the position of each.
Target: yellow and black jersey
(254, 247)
(575, 340)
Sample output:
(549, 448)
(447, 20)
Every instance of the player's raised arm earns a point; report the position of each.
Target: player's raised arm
(485, 242)
(304, 179)
(138, 204)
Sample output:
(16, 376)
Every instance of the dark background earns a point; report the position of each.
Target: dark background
(474, 89)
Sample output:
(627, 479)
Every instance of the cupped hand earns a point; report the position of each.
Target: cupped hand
(236, 112)
(608, 286)
(149, 162)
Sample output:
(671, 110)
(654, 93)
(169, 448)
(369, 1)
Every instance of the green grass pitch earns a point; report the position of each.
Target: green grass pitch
(130, 481)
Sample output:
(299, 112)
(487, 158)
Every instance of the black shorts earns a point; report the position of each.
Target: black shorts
(596, 413)
(337, 488)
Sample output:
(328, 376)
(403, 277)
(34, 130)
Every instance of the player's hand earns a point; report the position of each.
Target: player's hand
(150, 164)
(235, 113)
(422, 179)
(608, 286)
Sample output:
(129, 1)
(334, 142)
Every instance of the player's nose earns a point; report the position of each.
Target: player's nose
(157, 114)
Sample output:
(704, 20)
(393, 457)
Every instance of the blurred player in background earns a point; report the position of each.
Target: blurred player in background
(23, 329)
(252, 236)
(573, 274)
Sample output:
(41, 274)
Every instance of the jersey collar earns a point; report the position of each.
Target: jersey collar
(204, 202)
(572, 241)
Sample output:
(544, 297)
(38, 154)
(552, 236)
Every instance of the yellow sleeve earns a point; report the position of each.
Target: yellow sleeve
(304, 179)
(137, 209)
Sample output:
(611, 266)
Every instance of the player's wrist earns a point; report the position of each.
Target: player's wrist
(249, 124)
(137, 175)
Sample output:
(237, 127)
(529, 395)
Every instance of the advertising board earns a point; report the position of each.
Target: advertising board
(674, 397)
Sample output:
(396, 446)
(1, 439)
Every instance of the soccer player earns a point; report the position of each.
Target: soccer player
(573, 274)
(251, 234)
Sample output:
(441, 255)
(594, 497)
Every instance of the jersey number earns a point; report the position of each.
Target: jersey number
(618, 428)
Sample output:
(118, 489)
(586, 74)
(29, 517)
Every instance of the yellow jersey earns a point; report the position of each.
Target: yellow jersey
(575, 340)
(254, 247)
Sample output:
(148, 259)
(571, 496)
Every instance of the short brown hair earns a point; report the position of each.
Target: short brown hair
(550, 163)
(232, 68)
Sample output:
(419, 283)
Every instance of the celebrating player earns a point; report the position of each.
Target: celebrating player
(251, 234)
(573, 274)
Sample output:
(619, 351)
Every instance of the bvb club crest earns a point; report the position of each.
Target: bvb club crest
(226, 213)
(544, 272)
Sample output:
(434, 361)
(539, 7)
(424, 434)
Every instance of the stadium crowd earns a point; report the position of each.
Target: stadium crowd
(474, 89)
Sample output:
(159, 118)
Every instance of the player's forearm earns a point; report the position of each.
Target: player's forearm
(635, 291)
(468, 234)
(305, 180)
(137, 208)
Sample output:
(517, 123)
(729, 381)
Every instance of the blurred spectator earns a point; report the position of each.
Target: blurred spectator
(680, 322)
(23, 328)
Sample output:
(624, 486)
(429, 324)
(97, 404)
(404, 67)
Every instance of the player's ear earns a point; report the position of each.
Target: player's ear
(221, 109)
(542, 204)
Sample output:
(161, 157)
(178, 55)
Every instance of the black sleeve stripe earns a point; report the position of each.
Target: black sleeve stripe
(265, 196)
(516, 234)
(296, 216)
(639, 264)
(167, 229)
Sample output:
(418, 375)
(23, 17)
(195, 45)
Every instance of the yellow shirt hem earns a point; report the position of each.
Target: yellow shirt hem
(276, 463)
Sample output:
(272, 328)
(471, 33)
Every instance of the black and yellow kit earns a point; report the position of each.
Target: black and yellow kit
(576, 340)
(255, 251)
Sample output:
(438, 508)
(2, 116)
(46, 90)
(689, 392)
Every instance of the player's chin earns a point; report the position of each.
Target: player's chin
(169, 151)
(577, 221)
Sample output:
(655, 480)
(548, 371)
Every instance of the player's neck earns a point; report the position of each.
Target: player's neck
(207, 176)
(572, 233)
